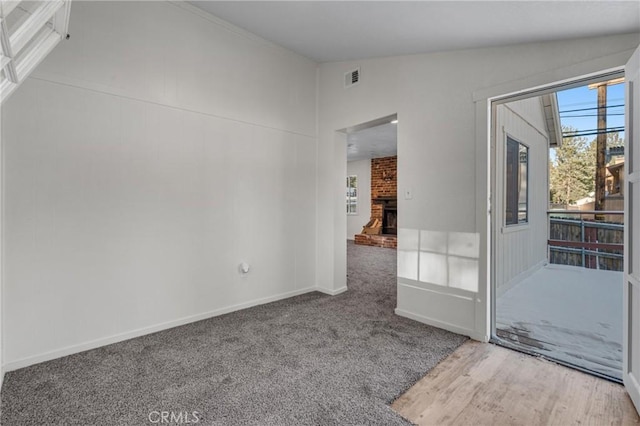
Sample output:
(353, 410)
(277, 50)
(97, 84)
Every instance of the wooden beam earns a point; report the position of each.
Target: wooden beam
(612, 82)
(601, 149)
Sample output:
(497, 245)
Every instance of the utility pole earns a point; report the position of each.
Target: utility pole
(601, 144)
(601, 149)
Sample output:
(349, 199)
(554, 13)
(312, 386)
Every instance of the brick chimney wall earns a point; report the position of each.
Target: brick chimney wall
(384, 182)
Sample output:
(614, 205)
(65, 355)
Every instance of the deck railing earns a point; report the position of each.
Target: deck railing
(577, 239)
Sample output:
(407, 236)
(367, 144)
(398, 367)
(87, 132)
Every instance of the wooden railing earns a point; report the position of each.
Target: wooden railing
(587, 243)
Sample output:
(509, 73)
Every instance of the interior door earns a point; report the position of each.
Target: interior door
(631, 309)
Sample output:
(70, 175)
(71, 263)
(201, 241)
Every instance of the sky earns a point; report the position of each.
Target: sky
(583, 97)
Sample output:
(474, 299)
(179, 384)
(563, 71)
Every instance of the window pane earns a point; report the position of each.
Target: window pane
(523, 188)
(352, 194)
(516, 188)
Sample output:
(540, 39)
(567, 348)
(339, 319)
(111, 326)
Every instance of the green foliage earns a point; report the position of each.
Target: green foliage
(572, 173)
(614, 140)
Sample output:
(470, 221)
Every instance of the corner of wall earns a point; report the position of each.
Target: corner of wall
(332, 292)
(317, 171)
(2, 368)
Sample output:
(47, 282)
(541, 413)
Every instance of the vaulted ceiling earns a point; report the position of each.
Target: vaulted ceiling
(328, 31)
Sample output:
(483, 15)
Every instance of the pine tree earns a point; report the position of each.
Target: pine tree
(614, 140)
(571, 174)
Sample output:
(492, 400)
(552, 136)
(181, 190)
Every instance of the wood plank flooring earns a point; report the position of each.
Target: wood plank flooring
(484, 384)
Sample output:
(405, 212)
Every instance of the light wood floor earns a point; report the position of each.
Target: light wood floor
(484, 384)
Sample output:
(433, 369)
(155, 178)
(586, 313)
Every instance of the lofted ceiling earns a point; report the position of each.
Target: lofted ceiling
(373, 142)
(328, 31)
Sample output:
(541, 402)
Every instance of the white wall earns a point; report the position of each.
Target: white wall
(145, 159)
(522, 249)
(355, 222)
(442, 152)
(2, 334)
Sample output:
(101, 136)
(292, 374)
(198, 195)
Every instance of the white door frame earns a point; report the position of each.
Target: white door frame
(484, 152)
(497, 157)
(631, 288)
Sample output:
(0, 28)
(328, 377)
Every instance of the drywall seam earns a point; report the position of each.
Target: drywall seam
(117, 93)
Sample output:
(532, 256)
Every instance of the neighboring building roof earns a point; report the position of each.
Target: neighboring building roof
(552, 117)
(615, 166)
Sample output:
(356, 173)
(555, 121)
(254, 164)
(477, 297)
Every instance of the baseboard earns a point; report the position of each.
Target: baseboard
(93, 344)
(332, 292)
(1, 376)
(439, 324)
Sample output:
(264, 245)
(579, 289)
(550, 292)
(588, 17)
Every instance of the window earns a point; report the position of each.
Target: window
(517, 177)
(352, 194)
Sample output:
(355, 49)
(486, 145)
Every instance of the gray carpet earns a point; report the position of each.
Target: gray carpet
(312, 359)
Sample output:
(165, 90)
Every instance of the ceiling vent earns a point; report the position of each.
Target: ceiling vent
(352, 77)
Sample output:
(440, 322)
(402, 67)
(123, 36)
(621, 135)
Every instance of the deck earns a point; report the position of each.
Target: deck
(571, 314)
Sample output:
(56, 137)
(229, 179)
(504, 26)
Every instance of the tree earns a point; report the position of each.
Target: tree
(571, 174)
(614, 140)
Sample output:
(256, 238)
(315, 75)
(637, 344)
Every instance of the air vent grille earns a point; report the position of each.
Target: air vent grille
(352, 77)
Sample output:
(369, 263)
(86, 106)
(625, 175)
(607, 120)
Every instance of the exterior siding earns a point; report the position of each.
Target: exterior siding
(521, 249)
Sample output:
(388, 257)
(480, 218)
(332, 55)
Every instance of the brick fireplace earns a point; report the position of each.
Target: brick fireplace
(384, 202)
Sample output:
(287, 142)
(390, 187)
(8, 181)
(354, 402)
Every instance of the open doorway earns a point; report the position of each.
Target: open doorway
(558, 224)
(372, 185)
(372, 208)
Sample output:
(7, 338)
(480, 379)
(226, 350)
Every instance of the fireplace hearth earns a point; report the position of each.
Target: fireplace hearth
(382, 228)
(387, 208)
(390, 217)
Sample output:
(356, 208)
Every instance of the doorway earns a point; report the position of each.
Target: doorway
(372, 209)
(558, 223)
(372, 183)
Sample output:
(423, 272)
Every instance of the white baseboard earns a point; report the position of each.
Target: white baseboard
(1, 376)
(81, 347)
(332, 292)
(441, 324)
